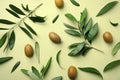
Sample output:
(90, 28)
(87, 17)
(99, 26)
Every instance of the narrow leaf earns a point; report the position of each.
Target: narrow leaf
(13, 13)
(4, 28)
(71, 17)
(47, 66)
(37, 51)
(25, 8)
(37, 19)
(12, 40)
(114, 24)
(16, 9)
(106, 8)
(115, 49)
(15, 66)
(111, 65)
(91, 70)
(69, 26)
(36, 72)
(5, 59)
(33, 76)
(77, 50)
(24, 71)
(74, 3)
(26, 32)
(4, 21)
(58, 78)
(72, 32)
(57, 57)
(3, 39)
(73, 45)
(30, 29)
(55, 19)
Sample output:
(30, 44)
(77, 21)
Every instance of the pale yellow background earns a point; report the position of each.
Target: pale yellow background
(48, 49)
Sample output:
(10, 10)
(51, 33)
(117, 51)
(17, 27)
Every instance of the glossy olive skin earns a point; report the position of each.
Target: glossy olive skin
(54, 37)
(28, 50)
(107, 36)
(72, 72)
(59, 3)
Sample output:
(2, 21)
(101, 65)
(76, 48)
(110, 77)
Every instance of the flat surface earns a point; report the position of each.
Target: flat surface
(47, 48)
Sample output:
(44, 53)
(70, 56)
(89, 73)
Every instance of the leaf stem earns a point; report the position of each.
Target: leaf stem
(97, 49)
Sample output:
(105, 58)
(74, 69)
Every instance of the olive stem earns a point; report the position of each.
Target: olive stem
(97, 49)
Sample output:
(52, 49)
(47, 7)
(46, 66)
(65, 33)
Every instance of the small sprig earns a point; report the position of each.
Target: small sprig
(85, 29)
(10, 35)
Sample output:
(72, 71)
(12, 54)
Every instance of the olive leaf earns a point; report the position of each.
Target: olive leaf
(11, 41)
(57, 57)
(4, 28)
(5, 59)
(72, 32)
(26, 32)
(111, 65)
(74, 3)
(69, 26)
(55, 19)
(16, 9)
(115, 49)
(15, 66)
(25, 7)
(92, 33)
(36, 72)
(30, 29)
(3, 39)
(33, 76)
(45, 69)
(37, 19)
(13, 13)
(25, 71)
(58, 78)
(106, 8)
(71, 17)
(91, 70)
(77, 50)
(114, 24)
(37, 51)
(4, 21)
(73, 45)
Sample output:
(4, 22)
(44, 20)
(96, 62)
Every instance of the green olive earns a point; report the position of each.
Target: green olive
(28, 50)
(107, 36)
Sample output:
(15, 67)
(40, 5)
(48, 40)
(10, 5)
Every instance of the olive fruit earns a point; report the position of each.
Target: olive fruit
(107, 36)
(72, 72)
(54, 37)
(59, 3)
(28, 50)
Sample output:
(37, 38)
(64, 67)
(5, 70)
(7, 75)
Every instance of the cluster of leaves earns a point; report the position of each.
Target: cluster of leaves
(10, 36)
(85, 29)
(36, 74)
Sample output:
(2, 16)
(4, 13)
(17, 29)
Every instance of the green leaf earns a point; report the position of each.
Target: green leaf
(106, 8)
(91, 70)
(37, 51)
(36, 72)
(69, 26)
(4, 21)
(111, 65)
(25, 71)
(4, 28)
(72, 32)
(33, 76)
(74, 3)
(92, 33)
(37, 19)
(115, 49)
(55, 19)
(15, 66)
(3, 39)
(114, 24)
(57, 57)
(12, 40)
(5, 59)
(26, 32)
(13, 13)
(16, 9)
(73, 45)
(58, 78)
(47, 66)
(85, 50)
(71, 17)
(77, 50)
(88, 26)
(30, 29)
(25, 7)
